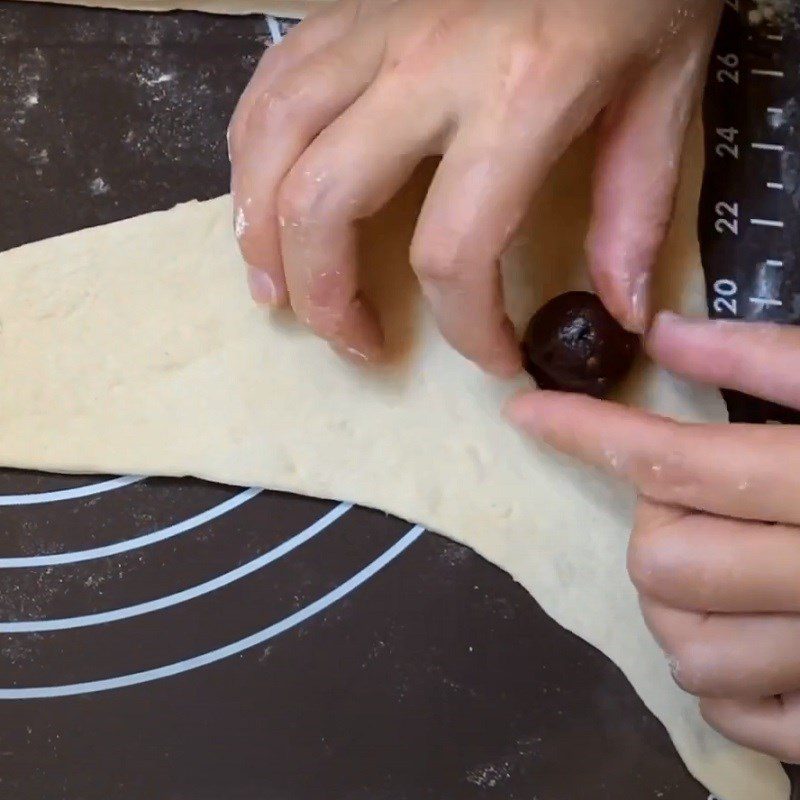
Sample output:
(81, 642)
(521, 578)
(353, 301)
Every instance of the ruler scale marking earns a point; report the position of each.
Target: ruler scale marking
(749, 222)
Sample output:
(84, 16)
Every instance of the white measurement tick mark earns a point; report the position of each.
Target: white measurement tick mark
(775, 110)
(768, 73)
(775, 37)
(766, 301)
(767, 223)
(773, 262)
(778, 148)
(773, 185)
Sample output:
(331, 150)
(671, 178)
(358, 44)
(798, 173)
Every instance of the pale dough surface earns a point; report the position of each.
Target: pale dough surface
(150, 359)
(134, 347)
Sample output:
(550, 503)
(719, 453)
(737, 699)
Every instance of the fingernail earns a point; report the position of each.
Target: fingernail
(262, 289)
(672, 336)
(668, 323)
(359, 337)
(352, 354)
(356, 354)
(665, 318)
(639, 304)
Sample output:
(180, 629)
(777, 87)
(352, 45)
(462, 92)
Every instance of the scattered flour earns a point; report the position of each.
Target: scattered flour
(99, 186)
(489, 776)
(164, 77)
(771, 11)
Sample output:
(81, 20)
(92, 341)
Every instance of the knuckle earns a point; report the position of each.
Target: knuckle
(236, 129)
(251, 248)
(439, 257)
(662, 562)
(301, 198)
(324, 321)
(525, 63)
(530, 63)
(520, 76)
(734, 358)
(274, 104)
(648, 568)
(259, 109)
(326, 69)
(249, 234)
(693, 669)
(669, 475)
(257, 247)
(788, 750)
(291, 99)
(404, 54)
(710, 712)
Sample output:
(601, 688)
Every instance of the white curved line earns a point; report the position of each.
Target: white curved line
(68, 623)
(131, 544)
(179, 667)
(37, 498)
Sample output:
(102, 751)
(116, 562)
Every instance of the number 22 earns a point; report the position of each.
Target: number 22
(727, 218)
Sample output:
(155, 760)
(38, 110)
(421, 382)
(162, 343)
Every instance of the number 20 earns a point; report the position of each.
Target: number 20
(725, 300)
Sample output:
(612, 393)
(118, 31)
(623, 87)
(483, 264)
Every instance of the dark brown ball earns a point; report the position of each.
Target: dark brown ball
(573, 344)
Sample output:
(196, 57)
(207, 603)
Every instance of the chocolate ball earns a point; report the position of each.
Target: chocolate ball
(573, 344)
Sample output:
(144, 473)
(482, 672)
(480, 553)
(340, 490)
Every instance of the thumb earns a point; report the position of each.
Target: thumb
(636, 175)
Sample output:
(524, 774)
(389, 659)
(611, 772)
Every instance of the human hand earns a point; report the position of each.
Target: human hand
(715, 551)
(338, 116)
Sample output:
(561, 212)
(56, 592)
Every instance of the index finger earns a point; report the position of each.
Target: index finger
(742, 471)
(757, 358)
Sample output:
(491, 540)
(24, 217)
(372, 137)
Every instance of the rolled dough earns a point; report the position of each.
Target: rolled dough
(134, 347)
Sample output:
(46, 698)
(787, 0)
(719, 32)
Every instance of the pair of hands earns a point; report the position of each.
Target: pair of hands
(334, 122)
(338, 116)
